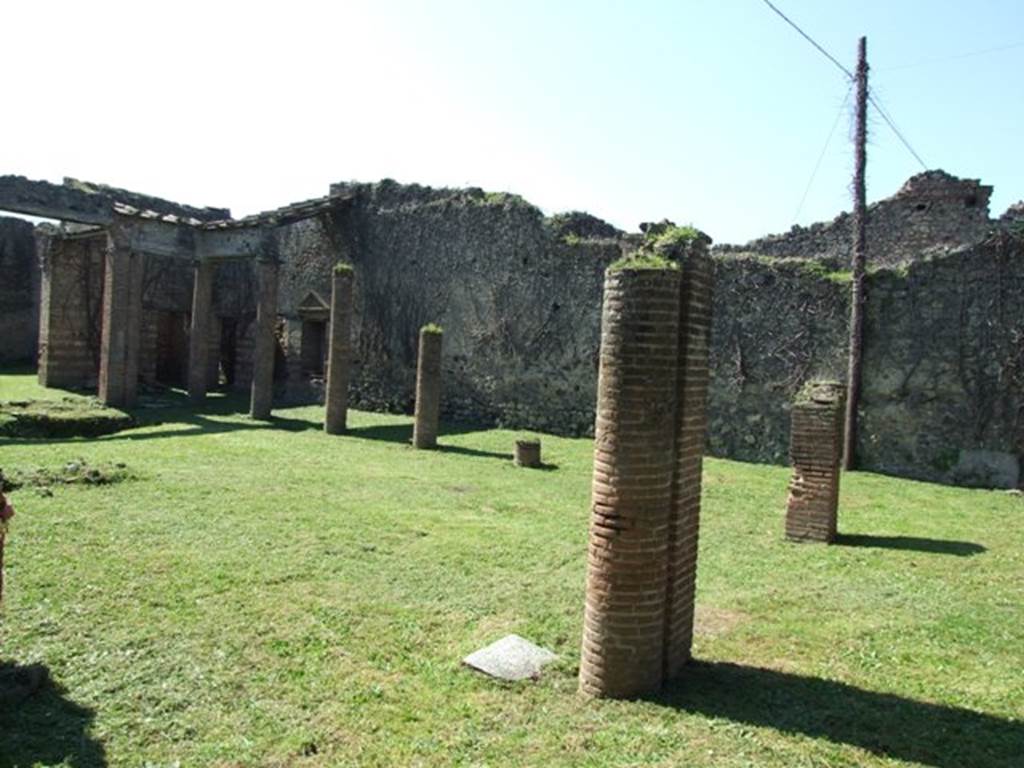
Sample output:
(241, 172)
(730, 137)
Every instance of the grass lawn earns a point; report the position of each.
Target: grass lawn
(264, 594)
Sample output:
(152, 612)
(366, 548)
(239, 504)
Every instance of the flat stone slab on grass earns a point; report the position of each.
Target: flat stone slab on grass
(511, 658)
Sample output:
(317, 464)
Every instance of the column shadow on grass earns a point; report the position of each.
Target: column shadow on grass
(44, 727)
(883, 724)
(401, 434)
(912, 543)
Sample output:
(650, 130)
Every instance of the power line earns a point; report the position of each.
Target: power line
(892, 124)
(810, 39)
(821, 157)
(888, 120)
(957, 57)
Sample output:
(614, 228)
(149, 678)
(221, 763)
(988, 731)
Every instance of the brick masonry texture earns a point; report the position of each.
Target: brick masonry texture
(339, 353)
(691, 429)
(624, 618)
(527, 453)
(428, 389)
(816, 448)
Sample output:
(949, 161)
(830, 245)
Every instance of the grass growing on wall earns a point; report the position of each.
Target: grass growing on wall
(260, 593)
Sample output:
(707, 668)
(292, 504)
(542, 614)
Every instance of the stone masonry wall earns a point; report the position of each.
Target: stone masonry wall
(518, 296)
(19, 291)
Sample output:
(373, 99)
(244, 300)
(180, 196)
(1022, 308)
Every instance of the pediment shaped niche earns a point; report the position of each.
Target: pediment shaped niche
(313, 307)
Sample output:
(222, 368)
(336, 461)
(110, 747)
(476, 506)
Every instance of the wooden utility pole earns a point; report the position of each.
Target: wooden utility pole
(853, 375)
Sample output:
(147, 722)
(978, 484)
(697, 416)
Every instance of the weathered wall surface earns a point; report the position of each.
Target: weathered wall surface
(943, 395)
(19, 291)
(518, 297)
(776, 324)
(944, 366)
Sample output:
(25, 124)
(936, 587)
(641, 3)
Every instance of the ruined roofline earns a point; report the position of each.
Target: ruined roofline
(88, 206)
(148, 202)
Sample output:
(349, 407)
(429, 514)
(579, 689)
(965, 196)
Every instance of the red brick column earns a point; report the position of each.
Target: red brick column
(624, 618)
(691, 429)
(339, 350)
(264, 343)
(121, 324)
(815, 448)
(428, 388)
(71, 286)
(199, 333)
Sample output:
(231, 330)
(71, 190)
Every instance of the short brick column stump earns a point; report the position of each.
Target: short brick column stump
(428, 388)
(527, 453)
(815, 449)
(624, 617)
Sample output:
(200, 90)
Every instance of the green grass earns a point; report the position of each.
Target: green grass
(265, 594)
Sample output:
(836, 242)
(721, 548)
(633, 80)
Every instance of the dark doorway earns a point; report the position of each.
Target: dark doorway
(228, 352)
(171, 348)
(314, 347)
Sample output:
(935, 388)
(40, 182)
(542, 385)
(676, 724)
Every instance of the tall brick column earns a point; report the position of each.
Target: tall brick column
(71, 290)
(121, 325)
(691, 429)
(339, 350)
(199, 333)
(264, 342)
(815, 448)
(624, 618)
(428, 388)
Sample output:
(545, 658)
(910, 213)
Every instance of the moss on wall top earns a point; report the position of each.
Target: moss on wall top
(642, 260)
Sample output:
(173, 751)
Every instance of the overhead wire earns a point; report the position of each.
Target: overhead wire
(809, 39)
(899, 134)
(821, 157)
(871, 99)
(956, 57)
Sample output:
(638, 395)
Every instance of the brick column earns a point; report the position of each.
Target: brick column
(199, 333)
(339, 350)
(264, 342)
(624, 618)
(121, 325)
(428, 388)
(691, 429)
(815, 449)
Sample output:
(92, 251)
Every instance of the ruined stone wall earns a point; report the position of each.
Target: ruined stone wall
(933, 210)
(19, 291)
(518, 297)
(776, 324)
(943, 392)
(943, 389)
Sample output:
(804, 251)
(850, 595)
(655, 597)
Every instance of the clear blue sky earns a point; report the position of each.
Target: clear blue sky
(711, 113)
